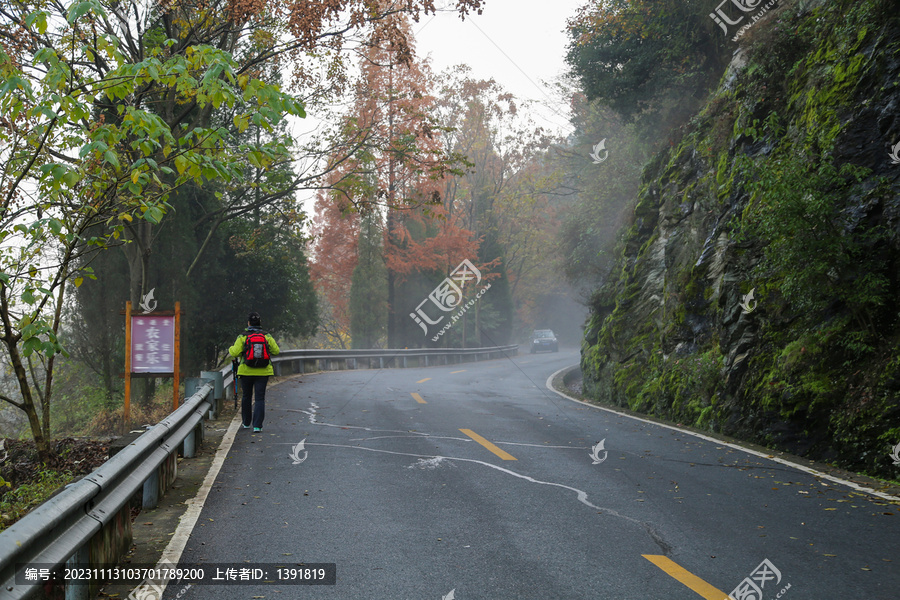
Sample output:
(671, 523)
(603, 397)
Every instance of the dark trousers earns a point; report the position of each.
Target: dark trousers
(249, 409)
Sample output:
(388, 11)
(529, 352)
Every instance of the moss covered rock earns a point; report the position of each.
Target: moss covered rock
(782, 185)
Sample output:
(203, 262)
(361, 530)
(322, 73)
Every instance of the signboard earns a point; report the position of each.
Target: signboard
(151, 348)
(152, 344)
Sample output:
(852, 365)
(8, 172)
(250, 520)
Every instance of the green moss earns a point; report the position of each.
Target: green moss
(819, 366)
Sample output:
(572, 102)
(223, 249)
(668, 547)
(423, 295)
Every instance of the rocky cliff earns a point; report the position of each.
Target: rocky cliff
(782, 186)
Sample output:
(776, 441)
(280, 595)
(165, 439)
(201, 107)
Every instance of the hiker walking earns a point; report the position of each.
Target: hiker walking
(255, 348)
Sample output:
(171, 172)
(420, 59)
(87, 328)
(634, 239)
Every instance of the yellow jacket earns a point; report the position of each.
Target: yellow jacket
(238, 351)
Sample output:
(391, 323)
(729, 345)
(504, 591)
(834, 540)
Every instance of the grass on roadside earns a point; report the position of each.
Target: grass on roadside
(15, 503)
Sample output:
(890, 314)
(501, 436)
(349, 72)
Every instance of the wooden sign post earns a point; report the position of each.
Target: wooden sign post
(127, 408)
(176, 397)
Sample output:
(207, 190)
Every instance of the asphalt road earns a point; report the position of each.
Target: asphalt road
(394, 487)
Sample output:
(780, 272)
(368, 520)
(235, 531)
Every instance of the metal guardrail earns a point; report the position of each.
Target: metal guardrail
(326, 359)
(59, 530)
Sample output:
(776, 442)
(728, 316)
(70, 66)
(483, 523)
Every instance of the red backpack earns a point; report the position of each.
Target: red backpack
(256, 350)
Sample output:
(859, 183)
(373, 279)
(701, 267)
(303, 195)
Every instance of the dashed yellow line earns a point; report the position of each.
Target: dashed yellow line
(501, 453)
(676, 571)
(424, 380)
(417, 398)
(463, 371)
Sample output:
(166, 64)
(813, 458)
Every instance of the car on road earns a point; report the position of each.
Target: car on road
(544, 340)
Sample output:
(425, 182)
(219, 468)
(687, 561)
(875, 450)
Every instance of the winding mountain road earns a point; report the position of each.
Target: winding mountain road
(476, 481)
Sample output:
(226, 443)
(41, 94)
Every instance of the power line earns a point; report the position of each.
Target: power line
(540, 88)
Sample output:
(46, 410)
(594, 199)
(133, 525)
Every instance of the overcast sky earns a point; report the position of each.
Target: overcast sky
(519, 43)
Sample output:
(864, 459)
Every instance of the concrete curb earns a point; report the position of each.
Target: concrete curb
(863, 484)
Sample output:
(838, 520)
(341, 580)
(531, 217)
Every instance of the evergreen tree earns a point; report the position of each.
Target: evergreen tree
(368, 288)
(653, 59)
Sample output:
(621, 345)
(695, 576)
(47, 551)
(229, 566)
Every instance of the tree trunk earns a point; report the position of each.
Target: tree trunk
(478, 340)
(391, 283)
(48, 378)
(11, 341)
(392, 316)
(138, 255)
(465, 321)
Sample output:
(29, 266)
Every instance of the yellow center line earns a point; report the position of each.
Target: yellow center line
(417, 398)
(424, 380)
(676, 571)
(463, 371)
(501, 453)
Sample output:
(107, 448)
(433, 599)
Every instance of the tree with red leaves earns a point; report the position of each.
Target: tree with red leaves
(398, 171)
(335, 229)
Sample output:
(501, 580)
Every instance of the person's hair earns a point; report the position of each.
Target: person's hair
(254, 320)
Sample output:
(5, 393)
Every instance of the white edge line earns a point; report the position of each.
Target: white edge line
(172, 554)
(782, 461)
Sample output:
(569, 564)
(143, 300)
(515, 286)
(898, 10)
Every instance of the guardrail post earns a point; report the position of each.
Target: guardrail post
(190, 445)
(218, 393)
(191, 386)
(151, 490)
(79, 590)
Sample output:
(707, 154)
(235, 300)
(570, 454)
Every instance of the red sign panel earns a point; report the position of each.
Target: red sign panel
(152, 344)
